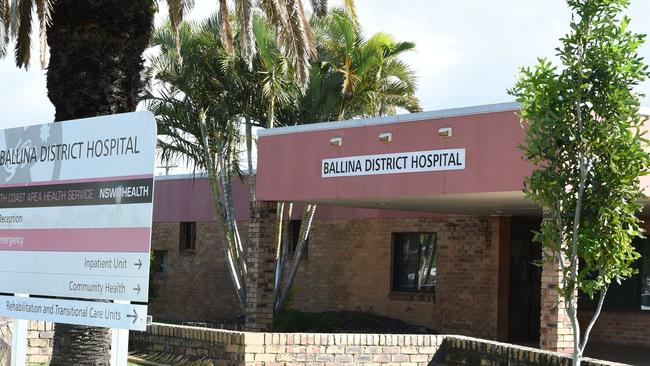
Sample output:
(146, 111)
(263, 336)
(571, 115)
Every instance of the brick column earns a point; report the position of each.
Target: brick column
(261, 266)
(555, 327)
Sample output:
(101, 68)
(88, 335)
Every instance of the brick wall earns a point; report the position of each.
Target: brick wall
(466, 351)
(192, 343)
(40, 336)
(349, 268)
(39, 341)
(197, 286)
(340, 349)
(629, 328)
(229, 348)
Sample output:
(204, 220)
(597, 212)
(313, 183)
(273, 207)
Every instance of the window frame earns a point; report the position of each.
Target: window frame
(403, 294)
(160, 266)
(187, 232)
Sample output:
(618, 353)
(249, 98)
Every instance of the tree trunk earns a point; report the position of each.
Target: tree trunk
(95, 64)
(96, 59)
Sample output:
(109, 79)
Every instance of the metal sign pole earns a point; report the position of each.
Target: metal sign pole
(19, 340)
(119, 344)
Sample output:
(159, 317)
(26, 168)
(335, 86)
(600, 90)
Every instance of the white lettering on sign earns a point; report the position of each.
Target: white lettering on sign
(406, 162)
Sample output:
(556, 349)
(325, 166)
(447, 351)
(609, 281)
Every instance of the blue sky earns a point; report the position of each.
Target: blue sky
(468, 51)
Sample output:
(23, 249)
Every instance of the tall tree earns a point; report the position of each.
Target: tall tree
(583, 136)
(219, 83)
(94, 69)
(351, 78)
(96, 48)
(198, 106)
(354, 77)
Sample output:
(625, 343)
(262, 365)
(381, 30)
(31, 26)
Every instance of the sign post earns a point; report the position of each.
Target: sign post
(75, 224)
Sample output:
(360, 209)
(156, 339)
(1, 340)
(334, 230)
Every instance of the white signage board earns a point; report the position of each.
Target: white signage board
(405, 162)
(76, 201)
(92, 313)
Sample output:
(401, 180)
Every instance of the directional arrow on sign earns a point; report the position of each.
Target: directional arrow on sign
(134, 316)
(137, 289)
(139, 264)
(134, 320)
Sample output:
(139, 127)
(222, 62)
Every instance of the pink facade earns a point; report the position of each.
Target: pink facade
(291, 168)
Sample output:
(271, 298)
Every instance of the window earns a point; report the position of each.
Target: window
(187, 236)
(632, 293)
(414, 262)
(159, 261)
(294, 235)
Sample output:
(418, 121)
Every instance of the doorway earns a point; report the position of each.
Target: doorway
(525, 282)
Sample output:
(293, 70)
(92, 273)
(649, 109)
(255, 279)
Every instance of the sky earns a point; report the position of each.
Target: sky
(468, 52)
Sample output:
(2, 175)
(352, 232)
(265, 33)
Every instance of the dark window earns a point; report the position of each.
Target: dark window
(187, 236)
(159, 261)
(414, 262)
(632, 293)
(645, 275)
(294, 235)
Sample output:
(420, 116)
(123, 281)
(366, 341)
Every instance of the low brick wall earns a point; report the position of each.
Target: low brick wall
(230, 348)
(467, 351)
(194, 343)
(320, 349)
(247, 348)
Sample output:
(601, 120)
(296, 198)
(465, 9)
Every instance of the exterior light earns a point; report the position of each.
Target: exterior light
(386, 137)
(445, 132)
(336, 141)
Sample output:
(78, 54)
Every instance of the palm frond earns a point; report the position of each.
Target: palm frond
(23, 37)
(177, 10)
(298, 41)
(14, 18)
(351, 9)
(247, 41)
(44, 13)
(276, 12)
(224, 25)
(319, 7)
(5, 16)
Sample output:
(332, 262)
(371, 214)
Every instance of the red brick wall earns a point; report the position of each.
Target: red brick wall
(349, 268)
(197, 286)
(631, 328)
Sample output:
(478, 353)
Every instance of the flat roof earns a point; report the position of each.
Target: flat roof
(408, 117)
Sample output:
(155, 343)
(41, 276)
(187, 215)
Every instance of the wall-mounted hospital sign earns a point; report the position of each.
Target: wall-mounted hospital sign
(405, 162)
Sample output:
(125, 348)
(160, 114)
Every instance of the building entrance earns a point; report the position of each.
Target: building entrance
(525, 282)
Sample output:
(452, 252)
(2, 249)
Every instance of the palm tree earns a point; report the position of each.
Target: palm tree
(198, 105)
(353, 77)
(201, 104)
(94, 69)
